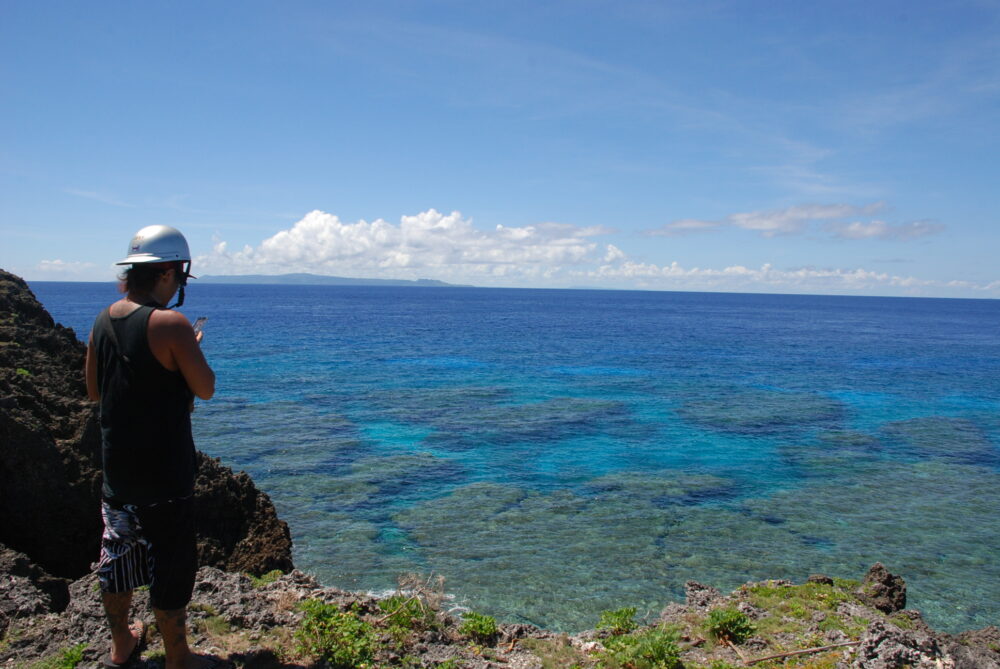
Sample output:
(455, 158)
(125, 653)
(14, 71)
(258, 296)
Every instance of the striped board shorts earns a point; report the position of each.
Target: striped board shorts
(124, 563)
(149, 545)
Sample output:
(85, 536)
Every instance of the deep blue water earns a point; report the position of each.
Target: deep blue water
(556, 453)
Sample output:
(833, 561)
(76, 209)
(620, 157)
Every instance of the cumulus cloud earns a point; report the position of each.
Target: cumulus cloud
(445, 245)
(613, 254)
(881, 230)
(449, 247)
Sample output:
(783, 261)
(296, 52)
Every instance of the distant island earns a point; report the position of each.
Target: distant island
(304, 279)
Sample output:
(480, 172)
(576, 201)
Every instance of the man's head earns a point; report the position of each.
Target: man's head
(152, 253)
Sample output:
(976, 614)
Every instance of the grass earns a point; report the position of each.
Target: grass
(216, 626)
(21, 371)
(67, 658)
(195, 607)
(556, 653)
(794, 607)
(265, 579)
(10, 636)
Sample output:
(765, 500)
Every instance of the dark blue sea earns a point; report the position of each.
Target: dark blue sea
(555, 453)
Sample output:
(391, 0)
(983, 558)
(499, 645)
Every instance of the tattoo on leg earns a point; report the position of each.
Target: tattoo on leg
(116, 609)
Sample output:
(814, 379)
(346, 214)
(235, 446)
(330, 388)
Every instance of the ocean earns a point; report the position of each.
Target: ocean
(556, 453)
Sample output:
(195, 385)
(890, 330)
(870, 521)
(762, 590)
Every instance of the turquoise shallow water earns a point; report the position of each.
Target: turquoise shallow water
(556, 453)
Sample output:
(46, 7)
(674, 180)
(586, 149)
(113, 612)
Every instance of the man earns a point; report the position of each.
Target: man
(145, 366)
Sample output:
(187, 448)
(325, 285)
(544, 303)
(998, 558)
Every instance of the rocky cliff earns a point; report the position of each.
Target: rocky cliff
(50, 475)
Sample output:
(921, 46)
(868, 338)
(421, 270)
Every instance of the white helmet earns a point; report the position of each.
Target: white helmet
(157, 243)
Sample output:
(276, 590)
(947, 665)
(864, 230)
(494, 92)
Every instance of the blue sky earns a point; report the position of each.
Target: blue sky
(831, 147)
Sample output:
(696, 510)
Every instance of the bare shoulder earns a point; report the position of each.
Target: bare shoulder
(167, 321)
(122, 308)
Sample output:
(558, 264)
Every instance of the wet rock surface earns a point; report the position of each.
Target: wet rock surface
(50, 475)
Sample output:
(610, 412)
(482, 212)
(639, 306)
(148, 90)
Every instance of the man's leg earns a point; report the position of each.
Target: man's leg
(174, 632)
(123, 640)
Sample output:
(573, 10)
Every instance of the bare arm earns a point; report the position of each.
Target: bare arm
(90, 370)
(173, 342)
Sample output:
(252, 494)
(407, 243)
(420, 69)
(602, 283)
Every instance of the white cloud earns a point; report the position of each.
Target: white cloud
(683, 226)
(881, 230)
(613, 254)
(448, 247)
(794, 219)
(798, 219)
(429, 243)
(766, 278)
(65, 268)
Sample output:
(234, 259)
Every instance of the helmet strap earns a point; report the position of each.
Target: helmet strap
(180, 298)
(182, 273)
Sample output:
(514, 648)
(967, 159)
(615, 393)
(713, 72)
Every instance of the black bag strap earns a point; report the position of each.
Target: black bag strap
(109, 331)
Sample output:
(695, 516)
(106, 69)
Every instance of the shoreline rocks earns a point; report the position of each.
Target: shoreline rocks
(255, 623)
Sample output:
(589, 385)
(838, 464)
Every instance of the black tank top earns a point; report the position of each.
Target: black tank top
(145, 416)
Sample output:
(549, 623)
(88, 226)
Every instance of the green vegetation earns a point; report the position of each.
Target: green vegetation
(406, 615)
(397, 631)
(479, 628)
(618, 621)
(68, 658)
(728, 624)
(12, 634)
(196, 607)
(21, 371)
(556, 653)
(215, 625)
(846, 583)
(654, 648)
(265, 579)
(340, 638)
(156, 658)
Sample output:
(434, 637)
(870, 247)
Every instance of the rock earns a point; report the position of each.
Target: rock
(888, 647)
(976, 649)
(49, 473)
(700, 596)
(883, 590)
(512, 631)
(672, 612)
(238, 527)
(26, 589)
(750, 611)
(822, 579)
(50, 467)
